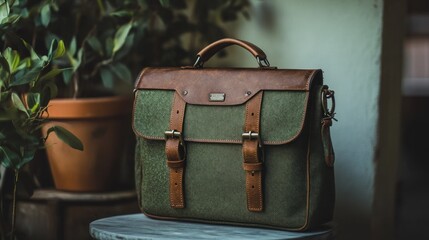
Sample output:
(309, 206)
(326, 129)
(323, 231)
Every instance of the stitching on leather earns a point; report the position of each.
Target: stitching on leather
(260, 95)
(170, 186)
(180, 172)
(173, 106)
(246, 116)
(248, 147)
(176, 106)
(247, 190)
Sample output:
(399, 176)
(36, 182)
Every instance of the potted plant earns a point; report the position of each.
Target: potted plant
(26, 87)
(108, 42)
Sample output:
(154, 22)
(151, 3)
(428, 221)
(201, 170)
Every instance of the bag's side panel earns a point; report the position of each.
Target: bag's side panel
(322, 186)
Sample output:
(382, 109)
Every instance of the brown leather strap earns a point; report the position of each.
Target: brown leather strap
(252, 154)
(326, 141)
(175, 151)
(207, 52)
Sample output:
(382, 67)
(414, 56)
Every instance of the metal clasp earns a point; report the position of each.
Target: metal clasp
(250, 135)
(198, 63)
(255, 136)
(173, 134)
(328, 94)
(263, 62)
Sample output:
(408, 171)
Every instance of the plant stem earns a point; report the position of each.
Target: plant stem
(14, 204)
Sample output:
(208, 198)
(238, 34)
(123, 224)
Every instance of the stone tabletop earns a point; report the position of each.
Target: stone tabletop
(138, 226)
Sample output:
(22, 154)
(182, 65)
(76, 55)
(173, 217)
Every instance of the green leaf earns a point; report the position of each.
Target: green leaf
(26, 62)
(56, 49)
(33, 54)
(28, 77)
(95, 44)
(67, 76)
(121, 71)
(121, 13)
(11, 19)
(106, 77)
(4, 10)
(18, 103)
(109, 46)
(75, 62)
(121, 36)
(53, 45)
(33, 102)
(164, 3)
(13, 59)
(4, 70)
(72, 47)
(51, 74)
(27, 156)
(45, 15)
(9, 158)
(61, 49)
(67, 137)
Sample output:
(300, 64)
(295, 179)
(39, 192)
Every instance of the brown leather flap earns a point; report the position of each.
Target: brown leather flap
(237, 85)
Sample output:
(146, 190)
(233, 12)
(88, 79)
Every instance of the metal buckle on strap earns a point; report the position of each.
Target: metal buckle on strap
(255, 136)
(250, 136)
(173, 134)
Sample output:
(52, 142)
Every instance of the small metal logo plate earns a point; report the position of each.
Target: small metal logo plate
(217, 97)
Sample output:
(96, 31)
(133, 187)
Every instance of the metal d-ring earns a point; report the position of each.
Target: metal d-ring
(198, 63)
(262, 62)
(328, 94)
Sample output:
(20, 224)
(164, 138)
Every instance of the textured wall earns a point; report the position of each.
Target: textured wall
(342, 37)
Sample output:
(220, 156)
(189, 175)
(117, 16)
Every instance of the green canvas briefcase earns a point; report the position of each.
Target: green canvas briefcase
(246, 146)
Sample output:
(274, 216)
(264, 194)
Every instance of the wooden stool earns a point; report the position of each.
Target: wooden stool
(138, 226)
(53, 215)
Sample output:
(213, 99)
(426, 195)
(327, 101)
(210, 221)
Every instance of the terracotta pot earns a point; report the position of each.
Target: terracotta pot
(102, 126)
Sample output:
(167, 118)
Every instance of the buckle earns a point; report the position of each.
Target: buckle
(255, 136)
(172, 134)
(250, 135)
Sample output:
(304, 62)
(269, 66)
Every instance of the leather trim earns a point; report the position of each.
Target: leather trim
(176, 154)
(253, 156)
(239, 84)
(207, 52)
(328, 149)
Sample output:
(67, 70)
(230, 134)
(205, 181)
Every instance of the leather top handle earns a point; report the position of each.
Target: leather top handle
(206, 53)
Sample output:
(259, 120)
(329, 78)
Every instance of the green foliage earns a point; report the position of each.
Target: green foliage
(26, 86)
(109, 41)
(66, 137)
